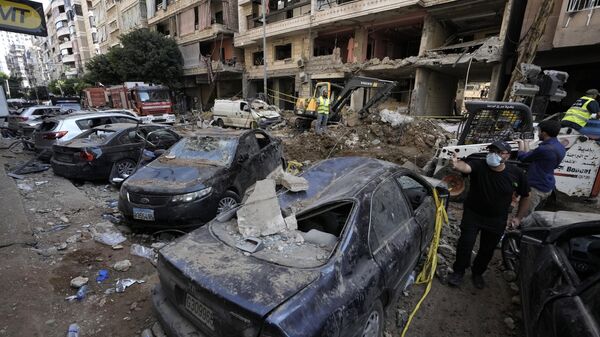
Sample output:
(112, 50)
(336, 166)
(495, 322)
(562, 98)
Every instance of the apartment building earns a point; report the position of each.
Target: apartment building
(67, 45)
(17, 62)
(570, 43)
(8, 39)
(204, 31)
(113, 18)
(431, 47)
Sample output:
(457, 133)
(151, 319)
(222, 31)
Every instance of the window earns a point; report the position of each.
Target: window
(414, 191)
(262, 140)
(219, 17)
(78, 10)
(196, 18)
(283, 52)
(388, 212)
(257, 58)
(580, 5)
(249, 146)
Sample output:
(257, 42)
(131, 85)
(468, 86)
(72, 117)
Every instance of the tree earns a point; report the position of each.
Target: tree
(100, 70)
(67, 87)
(145, 55)
(3, 76)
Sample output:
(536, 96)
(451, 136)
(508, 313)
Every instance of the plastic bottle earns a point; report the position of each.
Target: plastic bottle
(410, 281)
(73, 330)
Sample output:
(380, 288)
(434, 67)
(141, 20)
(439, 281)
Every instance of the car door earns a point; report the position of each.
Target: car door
(125, 146)
(246, 160)
(394, 236)
(269, 157)
(419, 196)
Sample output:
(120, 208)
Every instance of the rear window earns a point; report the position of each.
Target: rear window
(96, 136)
(48, 125)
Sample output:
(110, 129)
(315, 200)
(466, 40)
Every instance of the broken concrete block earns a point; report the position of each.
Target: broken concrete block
(79, 281)
(291, 223)
(106, 233)
(289, 181)
(122, 265)
(260, 215)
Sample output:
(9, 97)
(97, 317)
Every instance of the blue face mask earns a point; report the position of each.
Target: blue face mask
(493, 159)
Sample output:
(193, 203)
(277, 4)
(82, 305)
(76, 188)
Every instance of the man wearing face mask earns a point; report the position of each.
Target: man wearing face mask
(486, 209)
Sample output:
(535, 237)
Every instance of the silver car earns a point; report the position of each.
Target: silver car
(26, 119)
(61, 129)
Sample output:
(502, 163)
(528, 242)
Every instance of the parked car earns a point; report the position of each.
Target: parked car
(560, 274)
(61, 129)
(25, 120)
(108, 151)
(201, 175)
(365, 225)
(245, 114)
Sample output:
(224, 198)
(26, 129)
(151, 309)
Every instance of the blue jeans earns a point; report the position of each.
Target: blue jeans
(321, 123)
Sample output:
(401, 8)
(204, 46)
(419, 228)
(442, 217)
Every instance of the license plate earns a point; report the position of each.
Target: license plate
(204, 314)
(143, 214)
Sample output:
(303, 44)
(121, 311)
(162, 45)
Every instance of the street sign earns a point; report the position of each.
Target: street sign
(23, 16)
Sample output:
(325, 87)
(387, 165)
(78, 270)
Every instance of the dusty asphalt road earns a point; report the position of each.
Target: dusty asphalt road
(36, 281)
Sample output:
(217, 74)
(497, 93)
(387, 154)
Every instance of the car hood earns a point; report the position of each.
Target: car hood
(169, 178)
(255, 286)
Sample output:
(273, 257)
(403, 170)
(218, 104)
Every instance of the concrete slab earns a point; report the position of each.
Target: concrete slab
(261, 215)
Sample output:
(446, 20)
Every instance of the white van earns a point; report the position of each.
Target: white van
(242, 114)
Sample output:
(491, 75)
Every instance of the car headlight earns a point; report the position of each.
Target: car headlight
(188, 197)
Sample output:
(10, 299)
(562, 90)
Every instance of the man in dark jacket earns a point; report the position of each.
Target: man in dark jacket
(486, 209)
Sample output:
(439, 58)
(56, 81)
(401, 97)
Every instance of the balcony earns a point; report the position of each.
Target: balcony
(174, 6)
(201, 35)
(57, 3)
(68, 59)
(61, 32)
(60, 17)
(217, 67)
(337, 13)
(66, 45)
(71, 72)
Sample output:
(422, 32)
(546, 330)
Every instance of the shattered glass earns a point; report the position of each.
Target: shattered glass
(214, 150)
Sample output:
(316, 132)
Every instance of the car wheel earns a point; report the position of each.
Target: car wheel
(458, 184)
(220, 123)
(229, 200)
(373, 327)
(124, 168)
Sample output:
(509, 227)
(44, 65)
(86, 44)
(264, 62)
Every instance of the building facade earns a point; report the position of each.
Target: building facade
(113, 18)
(204, 31)
(430, 47)
(570, 43)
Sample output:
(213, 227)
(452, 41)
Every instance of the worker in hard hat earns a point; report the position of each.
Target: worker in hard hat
(582, 110)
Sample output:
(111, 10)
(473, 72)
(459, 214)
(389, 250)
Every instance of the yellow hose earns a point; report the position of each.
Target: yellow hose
(427, 274)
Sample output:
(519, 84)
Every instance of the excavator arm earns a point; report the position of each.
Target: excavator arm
(383, 87)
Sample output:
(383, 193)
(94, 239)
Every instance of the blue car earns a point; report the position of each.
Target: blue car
(364, 224)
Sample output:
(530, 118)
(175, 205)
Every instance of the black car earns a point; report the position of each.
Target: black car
(109, 151)
(365, 224)
(201, 175)
(560, 274)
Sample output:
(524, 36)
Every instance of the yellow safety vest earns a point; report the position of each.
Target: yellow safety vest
(323, 106)
(578, 112)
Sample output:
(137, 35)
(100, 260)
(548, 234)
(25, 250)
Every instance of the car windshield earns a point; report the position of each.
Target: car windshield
(207, 149)
(153, 95)
(67, 106)
(95, 136)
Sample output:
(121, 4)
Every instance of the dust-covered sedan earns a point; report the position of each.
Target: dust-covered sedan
(362, 226)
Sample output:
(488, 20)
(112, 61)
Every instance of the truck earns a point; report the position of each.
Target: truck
(306, 108)
(151, 103)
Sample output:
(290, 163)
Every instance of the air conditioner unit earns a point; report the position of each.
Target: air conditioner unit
(303, 77)
(300, 63)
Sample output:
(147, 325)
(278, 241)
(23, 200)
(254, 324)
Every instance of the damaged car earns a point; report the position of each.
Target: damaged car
(200, 176)
(560, 274)
(109, 151)
(245, 114)
(350, 245)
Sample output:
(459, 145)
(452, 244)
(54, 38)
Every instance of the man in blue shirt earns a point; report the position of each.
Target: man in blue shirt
(543, 160)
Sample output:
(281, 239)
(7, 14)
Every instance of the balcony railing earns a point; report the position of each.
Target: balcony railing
(581, 5)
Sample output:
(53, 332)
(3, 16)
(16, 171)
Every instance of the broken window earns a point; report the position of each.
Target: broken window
(283, 52)
(414, 191)
(163, 28)
(208, 149)
(262, 140)
(388, 212)
(258, 58)
(219, 18)
(329, 219)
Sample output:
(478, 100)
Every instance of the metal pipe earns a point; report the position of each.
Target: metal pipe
(264, 22)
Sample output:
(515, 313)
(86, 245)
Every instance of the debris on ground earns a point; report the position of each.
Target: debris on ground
(123, 284)
(122, 265)
(79, 281)
(106, 233)
(394, 118)
(288, 180)
(102, 275)
(141, 251)
(260, 215)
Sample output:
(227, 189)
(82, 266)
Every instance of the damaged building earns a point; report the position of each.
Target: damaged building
(212, 66)
(570, 43)
(429, 47)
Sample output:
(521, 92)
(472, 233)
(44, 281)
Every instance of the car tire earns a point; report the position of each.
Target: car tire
(458, 184)
(373, 326)
(123, 168)
(220, 123)
(228, 200)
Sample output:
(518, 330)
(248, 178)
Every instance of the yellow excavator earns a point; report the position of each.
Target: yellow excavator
(306, 108)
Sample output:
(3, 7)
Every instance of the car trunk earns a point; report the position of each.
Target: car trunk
(67, 154)
(46, 135)
(221, 290)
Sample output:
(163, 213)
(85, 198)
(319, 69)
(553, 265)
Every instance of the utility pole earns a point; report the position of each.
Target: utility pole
(264, 23)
